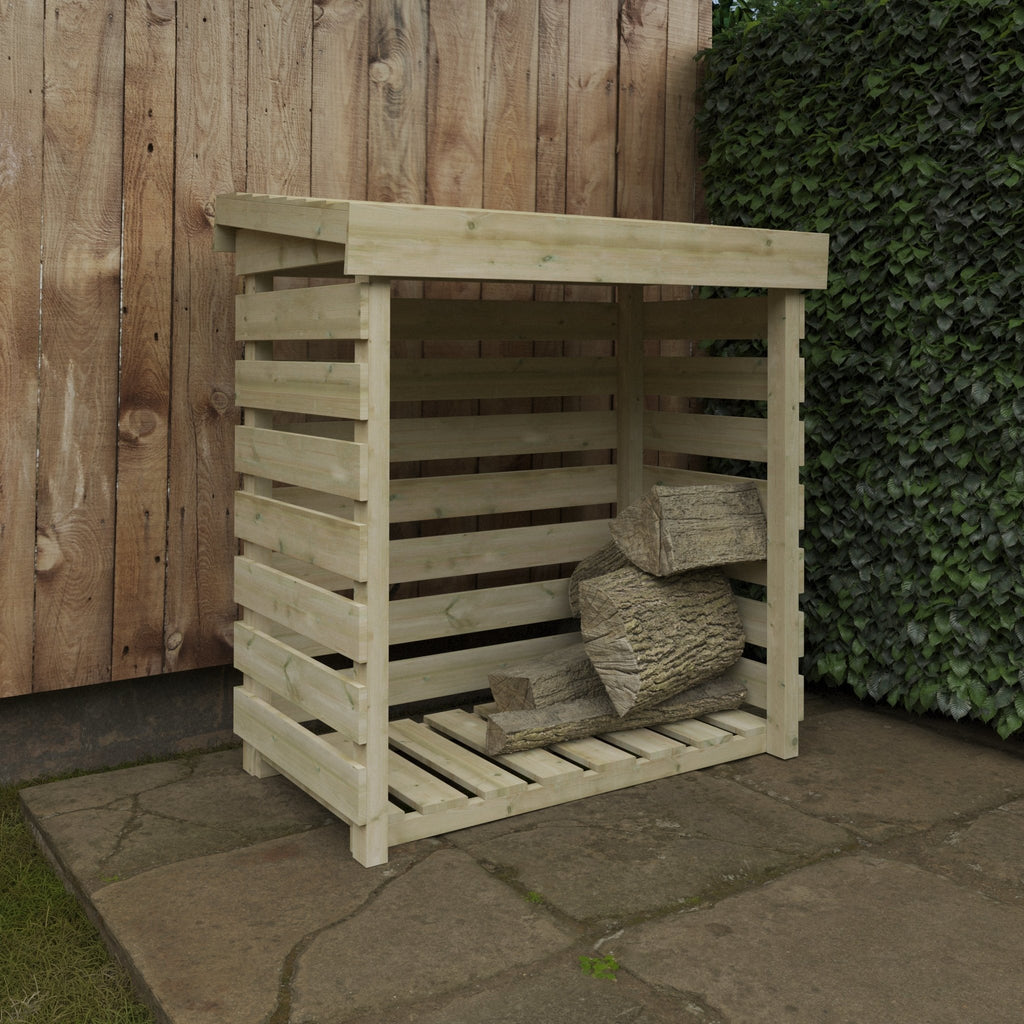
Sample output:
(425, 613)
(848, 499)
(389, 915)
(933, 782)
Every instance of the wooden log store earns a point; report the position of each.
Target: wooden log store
(408, 525)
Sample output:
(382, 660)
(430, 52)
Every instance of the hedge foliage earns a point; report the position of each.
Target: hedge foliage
(899, 129)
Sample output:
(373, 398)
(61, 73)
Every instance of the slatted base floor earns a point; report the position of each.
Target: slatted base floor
(440, 780)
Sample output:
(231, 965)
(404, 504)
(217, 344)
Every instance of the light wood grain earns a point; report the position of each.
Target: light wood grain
(211, 75)
(79, 324)
(21, 85)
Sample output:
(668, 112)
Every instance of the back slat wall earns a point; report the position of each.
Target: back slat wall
(116, 535)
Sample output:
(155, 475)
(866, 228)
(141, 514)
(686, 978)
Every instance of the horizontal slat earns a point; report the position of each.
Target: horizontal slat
(539, 765)
(461, 554)
(318, 389)
(755, 622)
(442, 675)
(417, 788)
(707, 319)
(739, 723)
(312, 763)
(329, 619)
(337, 545)
(293, 217)
(724, 437)
(388, 239)
(593, 753)
(642, 742)
(502, 320)
(295, 314)
(455, 437)
(326, 694)
(318, 501)
(754, 615)
(443, 379)
(707, 377)
(422, 618)
(258, 252)
(694, 733)
(478, 494)
(424, 241)
(453, 761)
(338, 467)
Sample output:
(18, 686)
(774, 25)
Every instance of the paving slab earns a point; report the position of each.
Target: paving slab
(853, 940)
(113, 825)
(882, 776)
(555, 992)
(659, 846)
(443, 924)
(986, 854)
(209, 938)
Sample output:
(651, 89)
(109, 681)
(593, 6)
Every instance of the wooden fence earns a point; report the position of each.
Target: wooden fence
(120, 120)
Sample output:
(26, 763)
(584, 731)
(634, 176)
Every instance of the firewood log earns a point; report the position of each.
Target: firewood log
(550, 678)
(606, 559)
(510, 731)
(677, 529)
(651, 637)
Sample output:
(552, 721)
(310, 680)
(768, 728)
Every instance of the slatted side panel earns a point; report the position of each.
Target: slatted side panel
(749, 434)
(306, 552)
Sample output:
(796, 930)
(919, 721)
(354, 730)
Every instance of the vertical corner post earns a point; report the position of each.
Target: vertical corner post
(252, 760)
(785, 457)
(369, 840)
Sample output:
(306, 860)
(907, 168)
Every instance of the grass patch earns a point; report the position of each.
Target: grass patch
(54, 969)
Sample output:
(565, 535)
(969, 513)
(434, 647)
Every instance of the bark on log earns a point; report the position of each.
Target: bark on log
(551, 678)
(511, 731)
(678, 529)
(607, 559)
(650, 637)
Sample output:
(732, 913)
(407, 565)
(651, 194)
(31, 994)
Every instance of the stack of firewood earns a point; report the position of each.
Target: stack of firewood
(659, 622)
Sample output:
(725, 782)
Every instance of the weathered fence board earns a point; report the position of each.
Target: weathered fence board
(116, 539)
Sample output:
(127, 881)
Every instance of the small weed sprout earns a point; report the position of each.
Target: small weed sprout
(600, 966)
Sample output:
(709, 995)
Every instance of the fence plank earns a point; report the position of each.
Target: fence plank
(210, 158)
(496, 104)
(140, 548)
(21, 171)
(80, 315)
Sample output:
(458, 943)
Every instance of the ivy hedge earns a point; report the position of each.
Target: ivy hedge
(899, 129)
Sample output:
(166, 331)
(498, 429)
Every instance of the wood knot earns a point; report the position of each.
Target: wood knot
(380, 71)
(49, 556)
(136, 424)
(174, 641)
(220, 402)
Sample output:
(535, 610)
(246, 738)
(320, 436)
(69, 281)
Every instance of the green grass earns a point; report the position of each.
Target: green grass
(54, 969)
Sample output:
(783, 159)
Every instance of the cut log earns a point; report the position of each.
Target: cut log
(607, 559)
(678, 529)
(650, 637)
(551, 678)
(511, 731)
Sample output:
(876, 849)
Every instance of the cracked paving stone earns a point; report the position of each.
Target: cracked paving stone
(189, 809)
(852, 940)
(207, 938)
(882, 776)
(650, 848)
(100, 790)
(986, 855)
(554, 993)
(444, 924)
